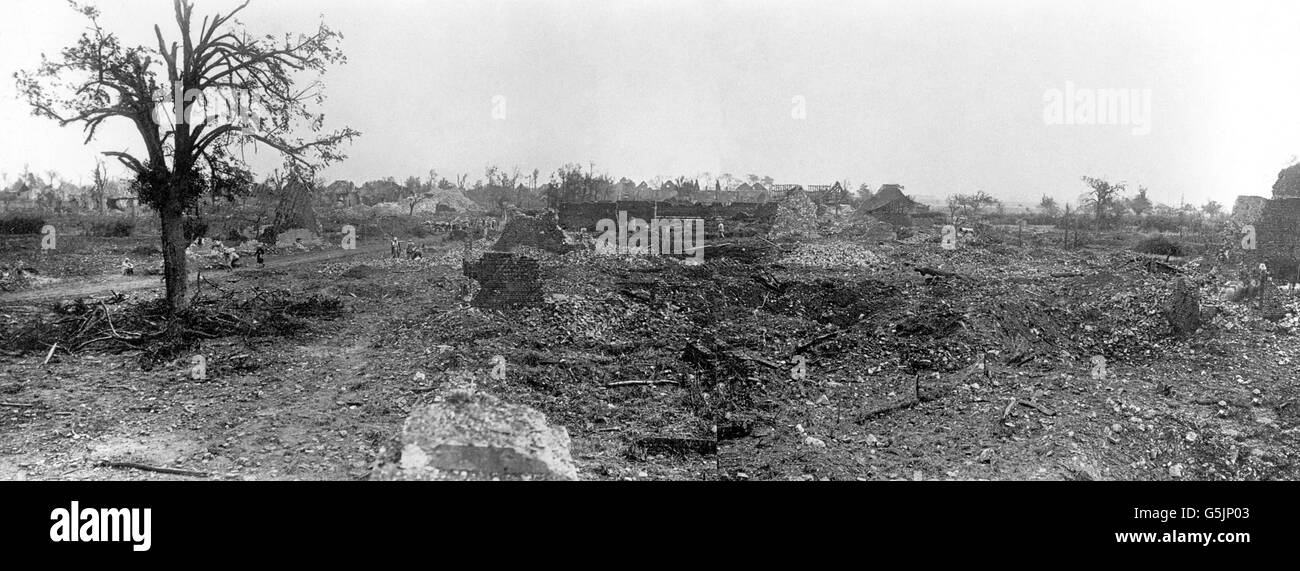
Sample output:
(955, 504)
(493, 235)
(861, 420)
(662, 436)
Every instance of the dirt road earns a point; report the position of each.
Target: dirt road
(124, 284)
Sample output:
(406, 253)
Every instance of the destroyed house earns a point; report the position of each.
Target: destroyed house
(891, 200)
(829, 195)
(891, 205)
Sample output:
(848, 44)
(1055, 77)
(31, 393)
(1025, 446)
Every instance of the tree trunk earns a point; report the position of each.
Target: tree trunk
(174, 264)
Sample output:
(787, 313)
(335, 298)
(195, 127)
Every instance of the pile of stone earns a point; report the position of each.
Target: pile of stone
(470, 435)
(832, 255)
(796, 216)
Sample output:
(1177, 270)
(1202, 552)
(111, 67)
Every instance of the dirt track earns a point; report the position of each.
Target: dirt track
(123, 284)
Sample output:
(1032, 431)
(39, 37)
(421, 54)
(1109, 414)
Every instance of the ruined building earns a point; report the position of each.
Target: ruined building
(1276, 222)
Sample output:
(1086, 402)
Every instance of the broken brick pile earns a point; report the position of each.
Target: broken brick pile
(542, 232)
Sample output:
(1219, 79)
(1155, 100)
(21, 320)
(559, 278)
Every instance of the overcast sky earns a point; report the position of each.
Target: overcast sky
(941, 96)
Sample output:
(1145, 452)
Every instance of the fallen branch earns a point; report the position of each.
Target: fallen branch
(903, 405)
(17, 404)
(906, 404)
(635, 383)
(50, 354)
(815, 342)
(135, 466)
(1037, 407)
(935, 272)
(1007, 411)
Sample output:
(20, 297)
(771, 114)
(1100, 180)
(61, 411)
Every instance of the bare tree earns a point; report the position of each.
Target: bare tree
(1101, 195)
(99, 78)
(1047, 205)
(414, 192)
(970, 204)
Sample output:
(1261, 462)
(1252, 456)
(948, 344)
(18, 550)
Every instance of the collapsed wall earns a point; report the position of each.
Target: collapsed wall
(1248, 209)
(1277, 231)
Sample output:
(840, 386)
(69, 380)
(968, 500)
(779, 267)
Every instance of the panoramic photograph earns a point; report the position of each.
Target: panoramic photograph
(681, 240)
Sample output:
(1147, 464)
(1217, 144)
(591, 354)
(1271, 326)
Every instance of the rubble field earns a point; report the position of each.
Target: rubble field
(795, 359)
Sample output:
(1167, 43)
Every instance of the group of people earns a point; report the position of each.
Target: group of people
(230, 257)
(407, 249)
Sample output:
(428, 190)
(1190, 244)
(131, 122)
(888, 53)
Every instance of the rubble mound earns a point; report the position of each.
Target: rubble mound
(796, 216)
(538, 232)
(837, 254)
(475, 436)
(860, 226)
(389, 209)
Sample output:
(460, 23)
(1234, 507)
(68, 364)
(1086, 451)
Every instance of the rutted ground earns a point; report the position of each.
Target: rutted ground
(711, 350)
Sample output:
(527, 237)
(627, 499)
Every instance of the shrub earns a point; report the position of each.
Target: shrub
(111, 229)
(21, 225)
(1160, 246)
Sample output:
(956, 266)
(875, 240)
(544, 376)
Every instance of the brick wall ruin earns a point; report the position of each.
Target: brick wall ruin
(505, 280)
(1278, 234)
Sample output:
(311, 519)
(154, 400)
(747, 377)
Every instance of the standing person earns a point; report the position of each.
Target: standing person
(394, 246)
(260, 253)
